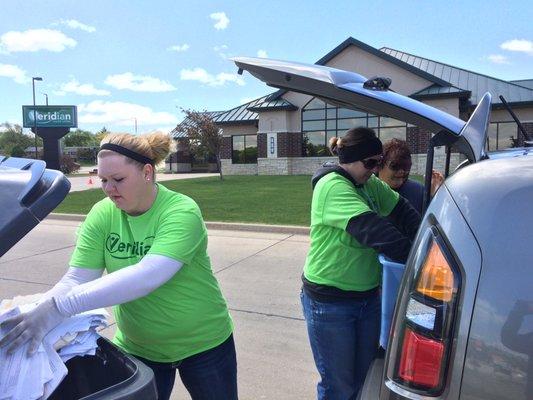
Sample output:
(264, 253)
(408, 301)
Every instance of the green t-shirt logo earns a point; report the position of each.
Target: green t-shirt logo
(117, 248)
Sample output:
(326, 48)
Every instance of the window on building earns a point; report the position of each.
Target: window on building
(501, 135)
(321, 121)
(244, 149)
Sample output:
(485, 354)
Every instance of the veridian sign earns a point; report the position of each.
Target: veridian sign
(50, 116)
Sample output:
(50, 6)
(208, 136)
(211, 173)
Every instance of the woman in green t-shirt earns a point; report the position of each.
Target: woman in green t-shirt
(152, 242)
(354, 216)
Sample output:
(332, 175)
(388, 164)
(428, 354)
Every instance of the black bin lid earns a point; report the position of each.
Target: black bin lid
(28, 193)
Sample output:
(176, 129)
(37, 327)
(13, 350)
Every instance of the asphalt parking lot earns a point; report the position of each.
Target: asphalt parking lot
(259, 273)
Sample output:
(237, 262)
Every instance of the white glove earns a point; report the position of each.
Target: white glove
(32, 325)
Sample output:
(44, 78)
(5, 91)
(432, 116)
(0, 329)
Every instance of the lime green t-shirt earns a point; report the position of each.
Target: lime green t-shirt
(335, 257)
(184, 316)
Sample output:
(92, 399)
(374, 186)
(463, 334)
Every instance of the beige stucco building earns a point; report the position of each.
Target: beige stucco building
(286, 133)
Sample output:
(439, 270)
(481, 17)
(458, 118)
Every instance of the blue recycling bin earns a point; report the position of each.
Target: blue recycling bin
(392, 276)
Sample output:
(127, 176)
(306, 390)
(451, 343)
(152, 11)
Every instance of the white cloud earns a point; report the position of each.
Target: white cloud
(179, 48)
(498, 59)
(221, 51)
(85, 89)
(201, 75)
(262, 54)
(14, 72)
(521, 45)
(138, 83)
(74, 24)
(35, 40)
(123, 114)
(222, 21)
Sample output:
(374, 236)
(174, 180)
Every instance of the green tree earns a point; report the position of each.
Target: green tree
(13, 141)
(204, 135)
(101, 134)
(80, 138)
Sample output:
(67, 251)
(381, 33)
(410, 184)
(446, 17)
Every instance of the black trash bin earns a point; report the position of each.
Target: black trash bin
(109, 374)
(28, 193)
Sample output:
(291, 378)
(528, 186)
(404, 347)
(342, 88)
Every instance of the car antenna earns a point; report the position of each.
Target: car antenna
(528, 141)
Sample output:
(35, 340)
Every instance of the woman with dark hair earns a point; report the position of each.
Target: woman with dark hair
(395, 169)
(354, 217)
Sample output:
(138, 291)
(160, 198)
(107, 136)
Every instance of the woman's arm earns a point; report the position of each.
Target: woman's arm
(376, 232)
(73, 277)
(119, 287)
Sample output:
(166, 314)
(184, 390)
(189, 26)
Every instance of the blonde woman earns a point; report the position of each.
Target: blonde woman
(152, 242)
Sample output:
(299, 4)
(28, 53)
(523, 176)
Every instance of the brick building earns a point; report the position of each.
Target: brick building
(286, 133)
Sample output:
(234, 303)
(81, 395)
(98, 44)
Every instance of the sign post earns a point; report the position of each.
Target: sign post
(51, 123)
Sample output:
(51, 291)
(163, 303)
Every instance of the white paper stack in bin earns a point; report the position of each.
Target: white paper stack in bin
(37, 376)
(392, 276)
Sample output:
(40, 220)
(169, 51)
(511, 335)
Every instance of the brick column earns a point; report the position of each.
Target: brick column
(261, 145)
(183, 151)
(417, 139)
(528, 127)
(289, 144)
(225, 149)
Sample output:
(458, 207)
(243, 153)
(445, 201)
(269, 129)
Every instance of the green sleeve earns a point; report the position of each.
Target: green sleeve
(386, 197)
(89, 251)
(180, 234)
(342, 202)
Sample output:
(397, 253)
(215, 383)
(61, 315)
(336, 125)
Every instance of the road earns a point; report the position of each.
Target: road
(259, 274)
(79, 183)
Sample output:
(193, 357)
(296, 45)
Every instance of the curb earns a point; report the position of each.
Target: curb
(230, 226)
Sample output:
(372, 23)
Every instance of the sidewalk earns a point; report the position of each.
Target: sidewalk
(227, 226)
(80, 183)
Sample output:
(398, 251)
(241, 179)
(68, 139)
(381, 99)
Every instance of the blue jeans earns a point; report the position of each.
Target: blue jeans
(210, 375)
(344, 338)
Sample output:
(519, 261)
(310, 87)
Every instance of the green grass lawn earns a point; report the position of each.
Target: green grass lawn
(278, 200)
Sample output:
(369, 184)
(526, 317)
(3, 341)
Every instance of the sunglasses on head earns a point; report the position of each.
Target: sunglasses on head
(371, 163)
(398, 165)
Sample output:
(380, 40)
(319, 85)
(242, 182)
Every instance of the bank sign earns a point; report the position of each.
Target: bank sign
(50, 116)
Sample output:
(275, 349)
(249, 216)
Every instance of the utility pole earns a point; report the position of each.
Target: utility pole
(33, 79)
(46, 98)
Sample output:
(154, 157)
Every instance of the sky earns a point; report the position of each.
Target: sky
(122, 62)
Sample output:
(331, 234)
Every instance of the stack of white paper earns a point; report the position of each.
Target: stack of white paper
(37, 376)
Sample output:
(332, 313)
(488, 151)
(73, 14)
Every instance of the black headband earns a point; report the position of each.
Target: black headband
(127, 152)
(360, 151)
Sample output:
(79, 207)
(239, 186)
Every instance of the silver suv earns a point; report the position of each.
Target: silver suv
(463, 321)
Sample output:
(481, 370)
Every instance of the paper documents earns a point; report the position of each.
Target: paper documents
(24, 377)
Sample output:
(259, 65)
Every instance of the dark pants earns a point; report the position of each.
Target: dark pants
(344, 340)
(210, 375)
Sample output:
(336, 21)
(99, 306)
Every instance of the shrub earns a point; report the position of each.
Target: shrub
(67, 165)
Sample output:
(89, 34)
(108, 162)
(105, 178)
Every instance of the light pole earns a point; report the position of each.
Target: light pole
(33, 79)
(46, 97)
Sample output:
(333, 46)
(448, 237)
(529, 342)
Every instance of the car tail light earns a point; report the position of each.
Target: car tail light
(426, 328)
(421, 359)
(436, 277)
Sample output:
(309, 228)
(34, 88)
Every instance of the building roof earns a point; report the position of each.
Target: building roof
(243, 114)
(179, 130)
(434, 91)
(460, 78)
(240, 114)
(273, 105)
(524, 82)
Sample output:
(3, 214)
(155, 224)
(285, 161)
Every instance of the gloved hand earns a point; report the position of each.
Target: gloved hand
(32, 325)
